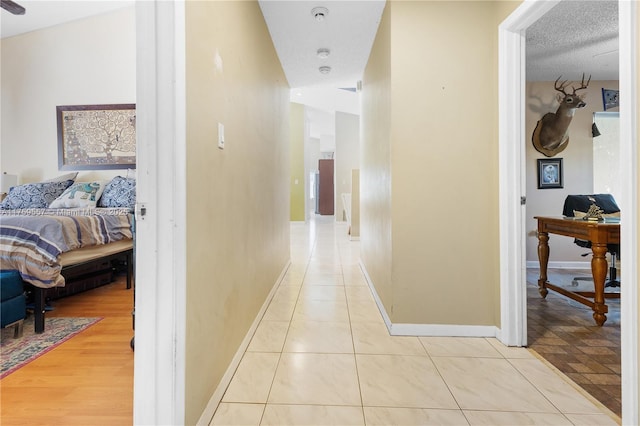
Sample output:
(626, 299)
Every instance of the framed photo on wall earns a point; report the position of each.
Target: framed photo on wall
(550, 173)
(610, 98)
(94, 137)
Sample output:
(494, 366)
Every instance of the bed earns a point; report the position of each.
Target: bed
(63, 248)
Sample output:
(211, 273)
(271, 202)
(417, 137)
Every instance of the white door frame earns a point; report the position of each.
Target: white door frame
(511, 58)
(629, 69)
(160, 305)
(512, 185)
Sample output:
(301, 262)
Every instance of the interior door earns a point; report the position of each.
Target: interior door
(325, 190)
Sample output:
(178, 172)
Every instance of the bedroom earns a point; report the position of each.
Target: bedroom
(41, 70)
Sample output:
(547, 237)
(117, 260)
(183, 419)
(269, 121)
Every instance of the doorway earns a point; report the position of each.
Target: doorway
(559, 329)
(513, 184)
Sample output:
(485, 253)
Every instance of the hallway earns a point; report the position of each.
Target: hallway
(322, 355)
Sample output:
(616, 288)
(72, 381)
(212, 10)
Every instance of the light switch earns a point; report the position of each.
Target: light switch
(220, 135)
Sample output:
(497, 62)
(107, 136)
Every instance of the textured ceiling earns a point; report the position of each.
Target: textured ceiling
(572, 38)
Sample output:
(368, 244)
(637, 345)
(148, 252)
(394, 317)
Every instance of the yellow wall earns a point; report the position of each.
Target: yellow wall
(429, 214)
(297, 178)
(89, 61)
(238, 198)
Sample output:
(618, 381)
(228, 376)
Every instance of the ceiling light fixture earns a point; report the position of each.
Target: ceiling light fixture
(319, 13)
(323, 53)
(12, 7)
(325, 69)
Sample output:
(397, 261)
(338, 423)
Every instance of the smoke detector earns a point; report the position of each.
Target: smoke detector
(323, 53)
(319, 13)
(324, 69)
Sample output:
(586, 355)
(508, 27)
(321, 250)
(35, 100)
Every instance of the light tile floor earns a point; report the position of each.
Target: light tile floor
(322, 355)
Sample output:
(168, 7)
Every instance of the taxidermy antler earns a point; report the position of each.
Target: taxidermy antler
(551, 134)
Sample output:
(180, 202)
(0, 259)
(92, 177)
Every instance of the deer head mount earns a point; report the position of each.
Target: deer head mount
(551, 135)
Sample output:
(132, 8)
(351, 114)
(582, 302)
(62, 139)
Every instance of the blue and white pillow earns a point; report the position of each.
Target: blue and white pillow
(80, 195)
(120, 192)
(34, 195)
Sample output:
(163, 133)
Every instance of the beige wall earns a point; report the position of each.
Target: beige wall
(354, 230)
(375, 163)
(297, 179)
(429, 226)
(90, 61)
(238, 198)
(347, 156)
(577, 161)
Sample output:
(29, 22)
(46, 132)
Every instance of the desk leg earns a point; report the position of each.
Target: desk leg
(599, 271)
(543, 258)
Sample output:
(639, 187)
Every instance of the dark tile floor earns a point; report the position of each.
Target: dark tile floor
(564, 333)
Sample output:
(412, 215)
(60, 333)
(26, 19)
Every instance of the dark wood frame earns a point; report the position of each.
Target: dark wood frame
(601, 234)
(40, 294)
(543, 162)
(62, 165)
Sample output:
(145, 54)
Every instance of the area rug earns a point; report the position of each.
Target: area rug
(16, 353)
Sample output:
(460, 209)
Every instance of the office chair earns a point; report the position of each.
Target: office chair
(575, 204)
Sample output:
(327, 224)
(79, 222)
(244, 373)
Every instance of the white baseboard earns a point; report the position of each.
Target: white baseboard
(352, 238)
(448, 330)
(427, 330)
(534, 264)
(210, 409)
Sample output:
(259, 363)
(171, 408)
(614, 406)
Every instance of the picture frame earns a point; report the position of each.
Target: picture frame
(550, 173)
(96, 137)
(610, 98)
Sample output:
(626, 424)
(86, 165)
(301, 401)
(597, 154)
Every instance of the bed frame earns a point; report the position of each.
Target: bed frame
(84, 269)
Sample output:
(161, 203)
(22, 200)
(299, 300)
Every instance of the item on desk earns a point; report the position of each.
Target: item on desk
(594, 213)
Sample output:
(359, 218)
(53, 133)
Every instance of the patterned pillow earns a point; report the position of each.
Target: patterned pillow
(34, 195)
(79, 195)
(120, 192)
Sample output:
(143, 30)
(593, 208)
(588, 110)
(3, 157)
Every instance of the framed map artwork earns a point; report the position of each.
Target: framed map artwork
(93, 137)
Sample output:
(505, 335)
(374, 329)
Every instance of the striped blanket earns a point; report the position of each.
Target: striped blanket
(32, 244)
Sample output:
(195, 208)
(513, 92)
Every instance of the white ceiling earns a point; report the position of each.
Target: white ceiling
(348, 31)
(46, 13)
(574, 37)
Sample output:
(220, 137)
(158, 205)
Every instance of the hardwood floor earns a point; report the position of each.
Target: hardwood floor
(564, 333)
(88, 380)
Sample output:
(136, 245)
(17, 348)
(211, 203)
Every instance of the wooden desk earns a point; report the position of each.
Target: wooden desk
(600, 234)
